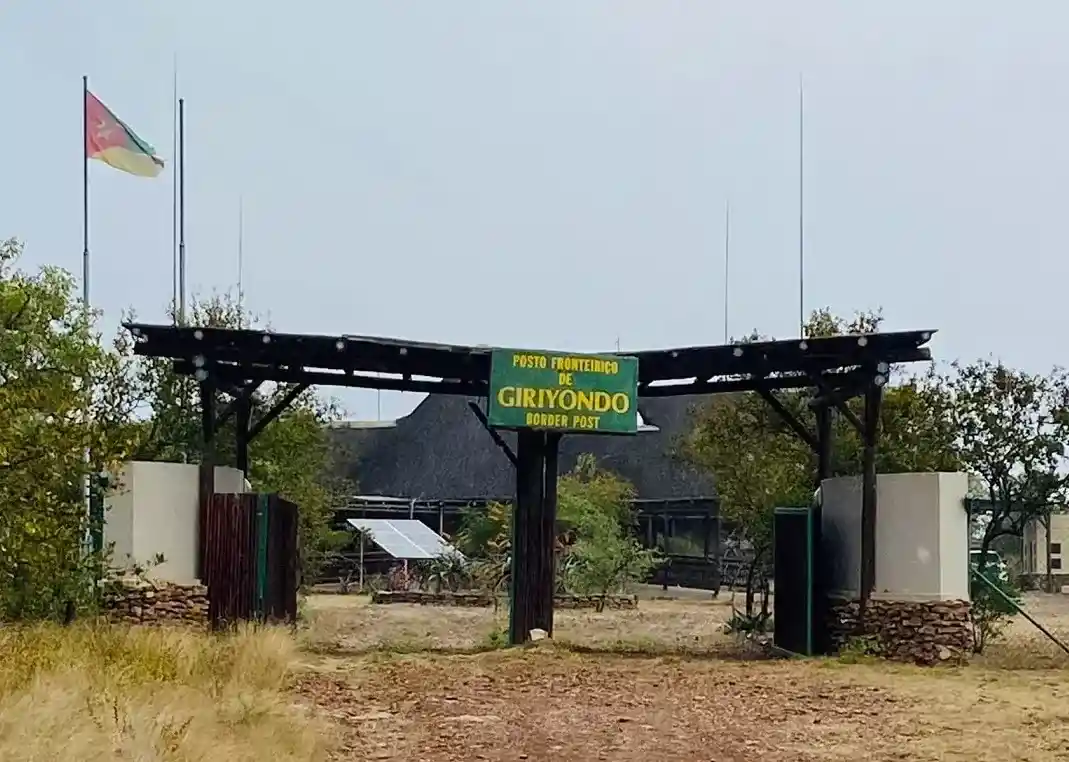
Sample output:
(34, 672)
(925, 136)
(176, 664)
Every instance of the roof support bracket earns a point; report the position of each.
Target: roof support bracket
(478, 411)
(279, 407)
(838, 398)
(799, 429)
(242, 393)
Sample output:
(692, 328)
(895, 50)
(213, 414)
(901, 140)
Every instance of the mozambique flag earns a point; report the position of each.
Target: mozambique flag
(108, 139)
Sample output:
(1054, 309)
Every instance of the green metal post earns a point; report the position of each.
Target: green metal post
(262, 519)
(810, 533)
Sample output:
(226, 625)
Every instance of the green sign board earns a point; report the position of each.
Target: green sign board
(558, 391)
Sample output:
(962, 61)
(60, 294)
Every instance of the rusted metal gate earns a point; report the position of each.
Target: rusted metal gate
(249, 543)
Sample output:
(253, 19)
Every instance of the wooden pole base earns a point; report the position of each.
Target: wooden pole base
(533, 535)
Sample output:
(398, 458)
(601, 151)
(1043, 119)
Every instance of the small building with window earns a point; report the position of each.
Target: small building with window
(1034, 548)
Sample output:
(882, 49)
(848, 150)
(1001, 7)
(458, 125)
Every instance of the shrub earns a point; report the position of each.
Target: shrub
(993, 605)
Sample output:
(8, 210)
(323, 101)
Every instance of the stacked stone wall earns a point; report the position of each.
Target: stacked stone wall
(141, 601)
(920, 632)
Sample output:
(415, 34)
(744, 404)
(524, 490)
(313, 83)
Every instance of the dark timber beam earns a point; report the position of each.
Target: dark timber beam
(208, 420)
(245, 390)
(832, 393)
(795, 425)
(206, 474)
(824, 443)
(532, 538)
(726, 386)
(276, 410)
(243, 405)
(259, 373)
(547, 582)
(838, 397)
(870, 435)
(494, 435)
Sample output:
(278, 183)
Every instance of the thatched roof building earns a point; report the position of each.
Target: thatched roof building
(441, 451)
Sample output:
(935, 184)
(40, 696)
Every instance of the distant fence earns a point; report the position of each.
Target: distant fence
(250, 559)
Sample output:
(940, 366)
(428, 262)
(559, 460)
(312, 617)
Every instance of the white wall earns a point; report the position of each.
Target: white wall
(1035, 545)
(922, 540)
(954, 539)
(153, 510)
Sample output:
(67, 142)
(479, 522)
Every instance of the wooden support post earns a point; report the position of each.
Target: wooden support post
(206, 485)
(547, 583)
(819, 624)
(871, 425)
(532, 555)
(241, 434)
(824, 443)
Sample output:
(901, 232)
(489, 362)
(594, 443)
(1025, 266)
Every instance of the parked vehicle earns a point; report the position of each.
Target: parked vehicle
(995, 565)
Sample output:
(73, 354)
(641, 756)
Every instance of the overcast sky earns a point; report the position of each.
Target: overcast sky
(430, 170)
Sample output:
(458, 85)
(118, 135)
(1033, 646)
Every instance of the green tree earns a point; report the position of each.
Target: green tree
(597, 549)
(1013, 429)
(62, 394)
(592, 491)
(759, 463)
(602, 554)
(292, 456)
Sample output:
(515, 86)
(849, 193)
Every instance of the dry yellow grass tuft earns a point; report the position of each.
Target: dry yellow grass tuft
(97, 692)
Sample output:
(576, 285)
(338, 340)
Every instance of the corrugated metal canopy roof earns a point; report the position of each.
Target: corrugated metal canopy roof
(240, 355)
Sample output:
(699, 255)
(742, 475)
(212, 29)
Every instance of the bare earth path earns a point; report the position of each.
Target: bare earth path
(552, 703)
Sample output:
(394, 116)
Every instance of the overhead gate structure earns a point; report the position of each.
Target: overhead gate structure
(249, 546)
(835, 368)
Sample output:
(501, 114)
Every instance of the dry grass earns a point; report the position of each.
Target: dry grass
(341, 624)
(91, 693)
(649, 685)
(671, 696)
(1024, 647)
(350, 625)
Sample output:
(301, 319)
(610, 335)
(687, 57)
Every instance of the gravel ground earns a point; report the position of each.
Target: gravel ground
(677, 695)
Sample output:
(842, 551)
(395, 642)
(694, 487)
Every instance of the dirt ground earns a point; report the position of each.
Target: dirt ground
(664, 683)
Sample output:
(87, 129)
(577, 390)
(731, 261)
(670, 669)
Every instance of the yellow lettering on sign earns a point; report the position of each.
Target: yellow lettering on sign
(528, 360)
(506, 396)
(546, 420)
(563, 399)
(579, 365)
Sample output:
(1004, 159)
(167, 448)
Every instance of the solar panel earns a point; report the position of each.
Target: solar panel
(425, 537)
(408, 539)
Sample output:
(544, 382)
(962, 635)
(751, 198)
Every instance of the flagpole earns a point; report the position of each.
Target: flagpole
(727, 262)
(85, 193)
(174, 194)
(801, 208)
(181, 211)
(241, 261)
(86, 455)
